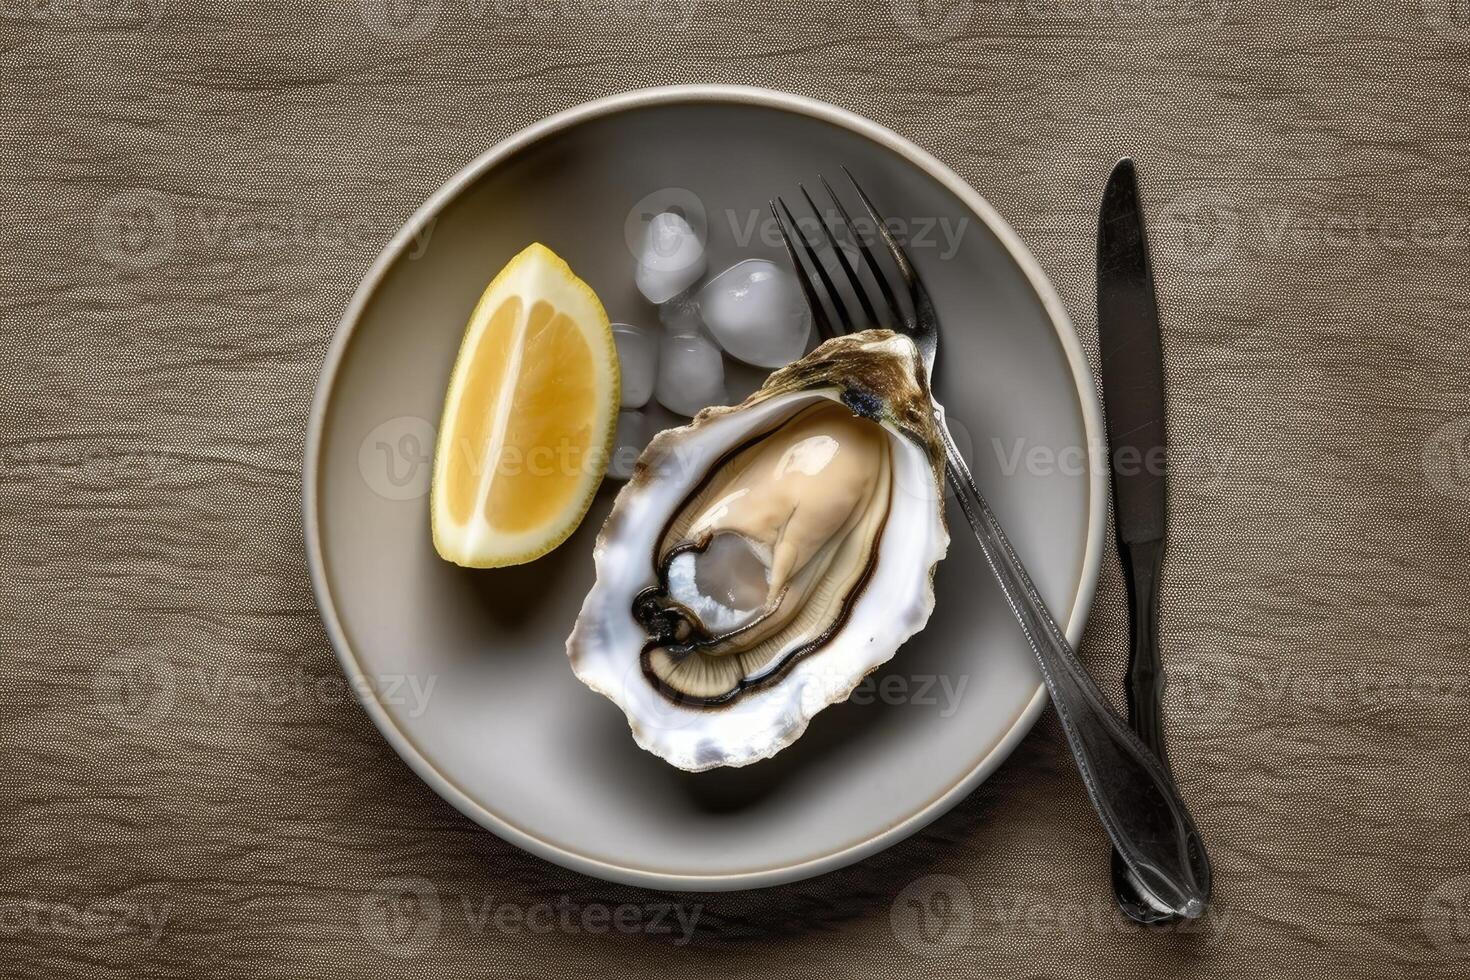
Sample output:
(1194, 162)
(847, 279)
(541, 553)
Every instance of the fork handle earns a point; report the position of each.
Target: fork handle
(1134, 795)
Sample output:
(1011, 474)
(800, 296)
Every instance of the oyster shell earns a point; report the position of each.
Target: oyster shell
(766, 557)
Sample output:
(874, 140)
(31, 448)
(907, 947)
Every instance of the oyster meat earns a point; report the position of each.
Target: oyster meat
(765, 558)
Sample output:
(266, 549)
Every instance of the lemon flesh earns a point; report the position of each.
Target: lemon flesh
(528, 418)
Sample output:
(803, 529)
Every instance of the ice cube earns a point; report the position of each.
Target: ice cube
(680, 315)
(671, 259)
(756, 311)
(637, 362)
(628, 443)
(691, 373)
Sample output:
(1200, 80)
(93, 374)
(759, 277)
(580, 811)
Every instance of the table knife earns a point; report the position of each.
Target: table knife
(1133, 394)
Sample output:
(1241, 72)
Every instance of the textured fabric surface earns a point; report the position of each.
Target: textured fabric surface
(191, 189)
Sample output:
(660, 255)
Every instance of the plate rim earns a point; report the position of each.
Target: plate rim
(321, 403)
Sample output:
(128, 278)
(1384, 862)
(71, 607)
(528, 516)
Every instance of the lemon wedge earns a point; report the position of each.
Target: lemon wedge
(528, 419)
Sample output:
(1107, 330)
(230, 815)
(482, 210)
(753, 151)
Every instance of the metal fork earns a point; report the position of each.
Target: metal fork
(1133, 793)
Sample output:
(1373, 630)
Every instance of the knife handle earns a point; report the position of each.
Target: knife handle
(1142, 563)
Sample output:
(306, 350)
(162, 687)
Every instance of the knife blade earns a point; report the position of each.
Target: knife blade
(1131, 347)
(1132, 362)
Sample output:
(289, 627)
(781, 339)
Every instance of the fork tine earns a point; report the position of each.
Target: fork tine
(868, 257)
(900, 257)
(825, 330)
(816, 263)
(857, 284)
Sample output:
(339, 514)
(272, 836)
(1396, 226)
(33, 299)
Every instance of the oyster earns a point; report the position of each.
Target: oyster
(765, 558)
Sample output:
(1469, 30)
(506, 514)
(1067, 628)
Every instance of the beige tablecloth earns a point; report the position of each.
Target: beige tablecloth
(192, 188)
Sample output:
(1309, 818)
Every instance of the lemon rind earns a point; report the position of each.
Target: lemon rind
(450, 537)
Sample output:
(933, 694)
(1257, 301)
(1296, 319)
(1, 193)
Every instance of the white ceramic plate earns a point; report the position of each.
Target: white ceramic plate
(465, 671)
